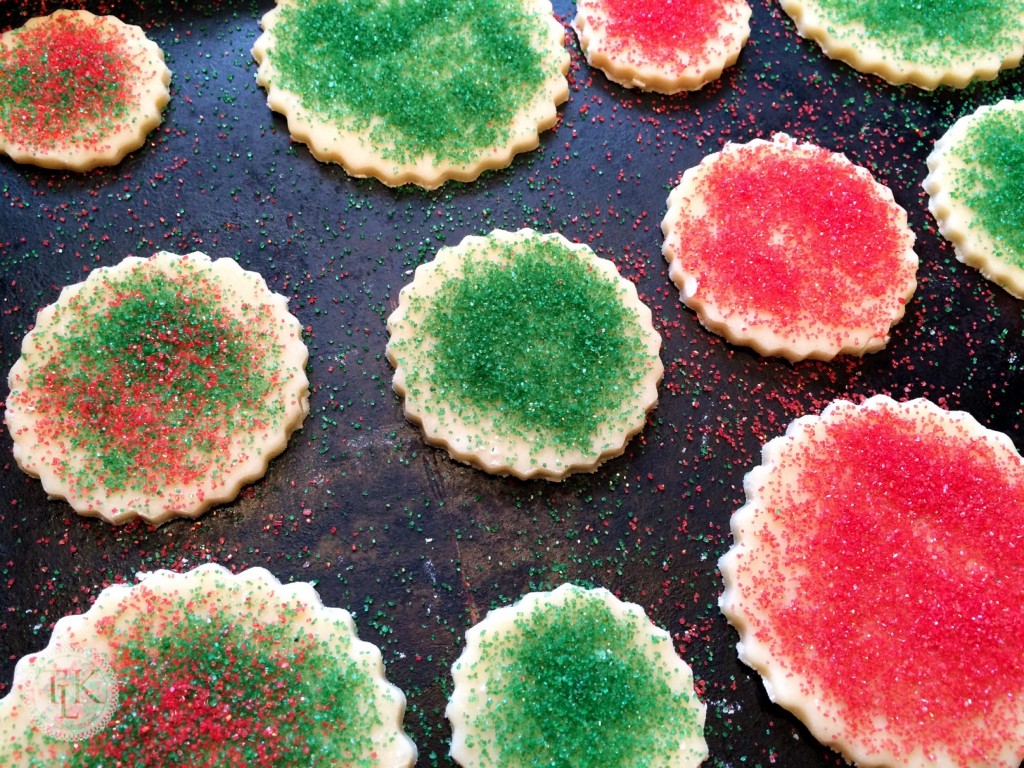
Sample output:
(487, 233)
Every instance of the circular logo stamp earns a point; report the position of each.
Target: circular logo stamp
(74, 693)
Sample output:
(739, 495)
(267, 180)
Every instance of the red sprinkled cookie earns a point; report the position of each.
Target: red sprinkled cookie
(665, 46)
(157, 388)
(233, 671)
(78, 90)
(875, 581)
(790, 249)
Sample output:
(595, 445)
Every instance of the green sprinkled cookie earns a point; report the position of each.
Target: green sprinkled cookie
(205, 668)
(524, 354)
(414, 91)
(78, 90)
(975, 186)
(927, 44)
(157, 388)
(573, 678)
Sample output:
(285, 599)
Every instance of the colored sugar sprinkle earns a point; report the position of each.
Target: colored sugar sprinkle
(540, 342)
(931, 33)
(574, 685)
(668, 31)
(991, 183)
(148, 379)
(64, 81)
(426, 77)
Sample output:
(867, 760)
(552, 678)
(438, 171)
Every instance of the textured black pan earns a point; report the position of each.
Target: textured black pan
(417, 546)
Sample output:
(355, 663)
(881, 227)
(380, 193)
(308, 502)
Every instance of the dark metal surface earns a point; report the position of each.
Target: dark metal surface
(417, 546)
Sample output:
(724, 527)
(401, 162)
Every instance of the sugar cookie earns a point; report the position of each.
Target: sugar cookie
(414, 91)
(875, 583)
(158, 387)
(78, 91)
(524, 354)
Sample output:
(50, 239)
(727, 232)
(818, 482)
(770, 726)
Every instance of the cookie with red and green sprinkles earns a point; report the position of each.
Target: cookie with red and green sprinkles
(666, 46)
(524, 354)
(875, 583)
(573, 677)
(205, 668)
(975, 187)
(414, 91)
(157, 388)
(927, 44)
(790, 249)
(78, 90)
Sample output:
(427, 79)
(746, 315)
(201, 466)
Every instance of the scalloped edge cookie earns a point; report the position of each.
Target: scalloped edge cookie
(34, 733)
(477, 681)
(851, 45)
(673, 67)
(473, 438)
(354, 150)
(149, 95)
(779, 319)
(972, 243)
(246, 298)
(877, 510)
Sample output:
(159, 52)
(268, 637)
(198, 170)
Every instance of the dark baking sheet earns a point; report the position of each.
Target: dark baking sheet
(417, 546)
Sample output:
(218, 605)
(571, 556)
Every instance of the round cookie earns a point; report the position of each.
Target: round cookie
(78, 91)
(204, 668)
(573, 677)
(875, 583)
(158, 387)
(665, 46)
(524, 354)
(790, 249)
(975, 187)
(414, 91)
(942, 42)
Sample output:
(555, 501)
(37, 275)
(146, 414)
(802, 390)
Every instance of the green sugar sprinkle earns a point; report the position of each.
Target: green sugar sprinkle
(148, 379)
(425, 77)
(540, 342)
(933, 33)
(991, 183)
(570, 687)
